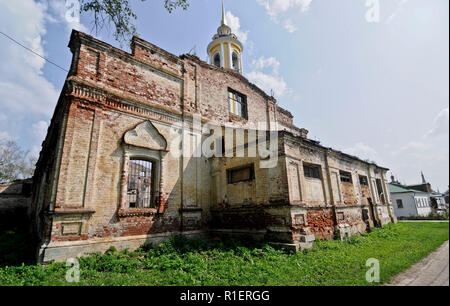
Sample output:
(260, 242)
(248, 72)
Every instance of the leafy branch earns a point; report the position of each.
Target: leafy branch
(120, 15)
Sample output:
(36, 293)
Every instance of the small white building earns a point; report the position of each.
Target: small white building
(438, 203)
(409, 202)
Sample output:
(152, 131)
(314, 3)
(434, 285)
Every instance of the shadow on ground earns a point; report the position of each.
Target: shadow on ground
(15, 243)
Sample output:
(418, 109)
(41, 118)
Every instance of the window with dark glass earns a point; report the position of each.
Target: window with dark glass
(363, 180)
(237, 103)
(399, 203)
(311, 171)
(346, 177)
(140, 184)
(241, 174)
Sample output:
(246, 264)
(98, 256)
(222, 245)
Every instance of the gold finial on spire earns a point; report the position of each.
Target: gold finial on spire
(224, 20)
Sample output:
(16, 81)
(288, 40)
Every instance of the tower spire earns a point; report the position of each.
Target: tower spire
(224, 20)
(225, 50)
(424, 181)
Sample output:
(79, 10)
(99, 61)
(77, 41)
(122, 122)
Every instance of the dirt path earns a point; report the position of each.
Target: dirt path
(430, 271)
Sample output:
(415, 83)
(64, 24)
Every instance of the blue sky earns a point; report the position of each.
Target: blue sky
(378, 90)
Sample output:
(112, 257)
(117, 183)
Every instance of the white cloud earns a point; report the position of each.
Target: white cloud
(23, 87)
(4, 136)
(429, 153)
(276, 7)
(289, 26)
(235, 25)
(265, 75)
(268, 82)
(56, 13)
(40, 130)
(35, 151)
(279, 8)
(412, 146)
(270, 62)
(441, 124)
(27, 96)
(399, 8)
(366, 152)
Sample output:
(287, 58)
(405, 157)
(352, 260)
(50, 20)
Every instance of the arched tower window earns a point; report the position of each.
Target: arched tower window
(235, 60)
(216, 60)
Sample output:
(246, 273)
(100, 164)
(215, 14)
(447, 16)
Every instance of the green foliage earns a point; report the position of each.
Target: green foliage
(110, 262)
(111, 250)
(170, 5)
(431, 216)
(120, 14)
(181, 261)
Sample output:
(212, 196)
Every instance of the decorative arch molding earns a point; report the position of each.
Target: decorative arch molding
(146, 135)
(144, 142)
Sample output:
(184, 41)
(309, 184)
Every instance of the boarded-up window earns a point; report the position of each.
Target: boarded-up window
(346, 177)
(94, 61)
(240, 174)
(311, 171)
(336, 187)
(294, 183)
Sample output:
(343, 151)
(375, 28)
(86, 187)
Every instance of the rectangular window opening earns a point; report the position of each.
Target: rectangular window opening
(363, 180)
(242, 174)
(312, 171)
(140, 184)
(237, 103)
(346, 177)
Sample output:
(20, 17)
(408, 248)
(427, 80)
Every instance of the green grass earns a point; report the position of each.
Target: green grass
(202, 262)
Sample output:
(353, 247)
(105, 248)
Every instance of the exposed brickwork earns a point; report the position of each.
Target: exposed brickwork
(321, 223)
(80, 186)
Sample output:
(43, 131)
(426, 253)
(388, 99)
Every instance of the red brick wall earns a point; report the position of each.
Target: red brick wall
(321, 223)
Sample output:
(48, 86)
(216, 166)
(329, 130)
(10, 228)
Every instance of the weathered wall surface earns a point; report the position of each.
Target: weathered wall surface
(116, 107)
(15, 197)
(335, 205)
(409, 204)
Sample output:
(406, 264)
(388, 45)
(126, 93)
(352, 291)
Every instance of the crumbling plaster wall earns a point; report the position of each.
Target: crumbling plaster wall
(80, 176)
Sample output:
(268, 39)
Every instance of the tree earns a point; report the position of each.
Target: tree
(15, 163)
(120, 14)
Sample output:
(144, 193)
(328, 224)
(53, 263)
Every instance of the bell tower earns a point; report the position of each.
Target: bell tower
(225, 50)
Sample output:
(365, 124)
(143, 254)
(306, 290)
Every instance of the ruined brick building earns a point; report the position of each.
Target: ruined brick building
(111, 172)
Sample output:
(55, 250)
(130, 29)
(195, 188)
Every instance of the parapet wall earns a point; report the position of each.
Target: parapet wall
(15, 197)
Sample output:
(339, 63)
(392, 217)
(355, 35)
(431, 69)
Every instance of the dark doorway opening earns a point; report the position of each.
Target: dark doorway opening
(371, 211)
